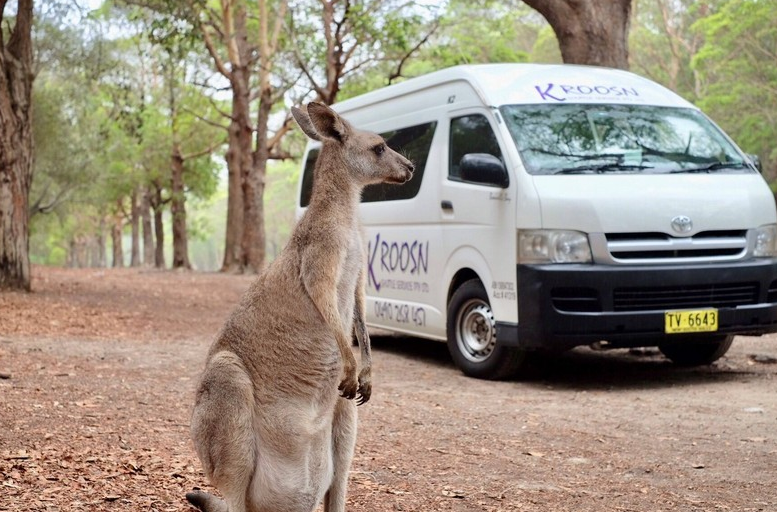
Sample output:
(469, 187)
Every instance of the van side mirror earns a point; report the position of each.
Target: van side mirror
(483, 168)
(756, 161)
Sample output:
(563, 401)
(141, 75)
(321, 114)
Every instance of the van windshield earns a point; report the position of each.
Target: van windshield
(595, 138)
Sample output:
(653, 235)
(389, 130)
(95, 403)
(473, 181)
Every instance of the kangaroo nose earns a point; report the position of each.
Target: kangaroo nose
(409, 168)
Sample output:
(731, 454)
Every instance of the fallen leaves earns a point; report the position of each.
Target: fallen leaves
(95, 416)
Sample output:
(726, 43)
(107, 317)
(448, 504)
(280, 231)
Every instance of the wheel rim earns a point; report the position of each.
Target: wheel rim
(476, 330)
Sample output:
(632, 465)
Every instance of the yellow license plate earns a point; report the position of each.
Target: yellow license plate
(701, 320)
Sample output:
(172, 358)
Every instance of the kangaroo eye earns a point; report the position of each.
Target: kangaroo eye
(379, 149)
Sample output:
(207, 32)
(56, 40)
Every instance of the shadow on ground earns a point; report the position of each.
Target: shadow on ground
(583, 368)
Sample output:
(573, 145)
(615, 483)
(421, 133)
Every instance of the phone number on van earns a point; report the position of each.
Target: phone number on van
(400, 313)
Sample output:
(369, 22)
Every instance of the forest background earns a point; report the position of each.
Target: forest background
(140, 104)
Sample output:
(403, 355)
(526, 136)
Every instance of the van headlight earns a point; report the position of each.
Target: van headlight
(553, 246)
(766, 241)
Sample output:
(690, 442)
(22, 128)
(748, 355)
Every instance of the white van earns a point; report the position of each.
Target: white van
(554, 206)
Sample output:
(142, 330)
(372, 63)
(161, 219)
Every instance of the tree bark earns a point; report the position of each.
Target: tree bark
(254, 236)
(79, 252)
(233, 250)
(16, 148)
(116, 239)
(148, 235)
(135, 223)
(244, 245)
(253, 194)
(70, 259)
(98, 256)
(593, 32)
(159, 227)
(239, 154)
(178, 210)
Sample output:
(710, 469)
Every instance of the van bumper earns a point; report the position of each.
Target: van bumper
(563, 306)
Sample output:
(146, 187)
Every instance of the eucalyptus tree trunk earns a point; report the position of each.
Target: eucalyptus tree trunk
(244, 249)
(135, 224)
(98, 253)
(16, 147)
(238, 157)
(116, 239)
(253, 196)
(157, 204)
(593, 32)
(148, 235)
(178, 210)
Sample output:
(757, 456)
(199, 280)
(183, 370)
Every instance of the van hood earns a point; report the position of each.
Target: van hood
(619, 203)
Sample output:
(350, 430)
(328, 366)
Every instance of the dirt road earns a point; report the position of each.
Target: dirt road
(99, 367)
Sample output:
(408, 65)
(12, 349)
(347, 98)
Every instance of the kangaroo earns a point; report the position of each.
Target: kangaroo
(274, 421)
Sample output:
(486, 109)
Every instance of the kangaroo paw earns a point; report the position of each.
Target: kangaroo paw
(348, 387)
(364, 390)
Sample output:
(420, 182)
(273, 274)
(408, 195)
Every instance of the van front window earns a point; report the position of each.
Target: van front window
(594, 138)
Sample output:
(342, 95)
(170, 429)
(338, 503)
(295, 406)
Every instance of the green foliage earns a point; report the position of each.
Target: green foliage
(115, 90)
(545, 48)
(663, 43)
(493, 32)
(104, 122)
(738, 75)
(469, 32)
(280, 204)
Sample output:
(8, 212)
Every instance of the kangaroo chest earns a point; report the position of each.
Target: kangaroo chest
(349, 277)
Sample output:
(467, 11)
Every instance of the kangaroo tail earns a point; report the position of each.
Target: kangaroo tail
(206, 502)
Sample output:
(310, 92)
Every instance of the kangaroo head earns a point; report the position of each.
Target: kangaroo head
(365, 155)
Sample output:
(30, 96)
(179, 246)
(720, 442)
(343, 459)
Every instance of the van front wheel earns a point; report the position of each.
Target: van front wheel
(697, 352)
(471, 329)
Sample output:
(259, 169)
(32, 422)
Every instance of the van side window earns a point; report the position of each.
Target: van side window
(470, 134)
(413, 142)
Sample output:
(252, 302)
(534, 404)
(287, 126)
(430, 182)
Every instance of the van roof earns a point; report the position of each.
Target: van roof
(509, 84)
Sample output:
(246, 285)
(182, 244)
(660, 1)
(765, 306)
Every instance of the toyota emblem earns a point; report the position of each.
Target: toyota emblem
(682, 224)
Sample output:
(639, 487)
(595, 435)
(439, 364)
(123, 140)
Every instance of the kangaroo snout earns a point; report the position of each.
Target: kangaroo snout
(409, 170)
(404, 174)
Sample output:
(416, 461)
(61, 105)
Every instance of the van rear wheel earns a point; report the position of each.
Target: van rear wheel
(697, 352)
(471, 331)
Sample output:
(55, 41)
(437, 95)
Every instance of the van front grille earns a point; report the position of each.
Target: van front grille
(635, 248)
(659, 298)
(683, 297)
(576, 300)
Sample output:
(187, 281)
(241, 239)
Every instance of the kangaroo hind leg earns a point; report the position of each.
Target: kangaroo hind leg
(223, 433)
(343, 443)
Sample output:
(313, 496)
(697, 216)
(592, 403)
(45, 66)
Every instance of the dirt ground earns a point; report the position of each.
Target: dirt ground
(97, 370)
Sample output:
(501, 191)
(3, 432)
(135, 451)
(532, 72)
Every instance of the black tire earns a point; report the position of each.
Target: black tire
(697, 351)
(471, 332)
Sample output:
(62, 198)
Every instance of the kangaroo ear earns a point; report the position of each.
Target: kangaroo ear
(303, 120)
(327, 123)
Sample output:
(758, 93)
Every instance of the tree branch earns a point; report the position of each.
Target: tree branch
(20, 42)
(205, 151)
(278, 135)
(2, 15)
(304, 68)
(398, 72)
(276, 33)
(213, 53)
(208, 121)
(48, 208)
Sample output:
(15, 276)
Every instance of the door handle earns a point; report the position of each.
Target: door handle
(446, 205)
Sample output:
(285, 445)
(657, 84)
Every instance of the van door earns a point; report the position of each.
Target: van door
(478, 217)
(403, 241)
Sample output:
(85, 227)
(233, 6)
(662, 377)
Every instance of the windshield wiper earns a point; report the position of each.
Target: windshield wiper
(710, 167)
(602, 168)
